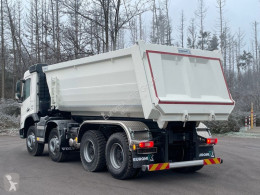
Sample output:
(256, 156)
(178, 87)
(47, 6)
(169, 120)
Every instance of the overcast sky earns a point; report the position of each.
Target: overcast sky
(238, 14)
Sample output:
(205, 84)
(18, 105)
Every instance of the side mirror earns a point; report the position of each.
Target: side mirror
(18, 91)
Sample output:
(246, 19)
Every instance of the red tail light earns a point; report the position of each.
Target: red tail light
(149, 144)
(212, 140)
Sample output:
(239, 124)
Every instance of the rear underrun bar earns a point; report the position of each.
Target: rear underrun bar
(164, 166)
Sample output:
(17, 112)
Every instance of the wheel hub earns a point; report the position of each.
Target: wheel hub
(89, 151)
(116, 155)
(54, 144)
(31, 140)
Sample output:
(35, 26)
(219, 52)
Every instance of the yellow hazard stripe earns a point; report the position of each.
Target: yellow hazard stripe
(159, 166)
(164, 166)
(207, 161)
(216, 160)
(153, 167)
(212, 161)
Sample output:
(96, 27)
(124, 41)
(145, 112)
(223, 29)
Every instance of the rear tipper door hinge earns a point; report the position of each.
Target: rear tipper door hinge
(212, 116)
(54, 92)
(185, 117)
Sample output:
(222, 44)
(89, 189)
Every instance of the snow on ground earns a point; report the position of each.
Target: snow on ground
(9, 132)
(252, 133)
(9, 117)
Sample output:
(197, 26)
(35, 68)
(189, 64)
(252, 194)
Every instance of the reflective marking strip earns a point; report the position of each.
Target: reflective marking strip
(217, 161)
(152, 167)
(159, 166)
(40, 139)
(212, 161)
(165, 166)
(207, 162)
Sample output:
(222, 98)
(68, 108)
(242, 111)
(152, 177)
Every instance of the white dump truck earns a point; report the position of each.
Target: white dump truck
(131, 110)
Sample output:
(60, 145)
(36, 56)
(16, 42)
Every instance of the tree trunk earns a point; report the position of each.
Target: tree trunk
(2, 51)
(57, 32)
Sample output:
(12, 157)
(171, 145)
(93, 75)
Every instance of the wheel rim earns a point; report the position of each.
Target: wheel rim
(54, 144)
(31, 140)
(89, 151)
(116, 155)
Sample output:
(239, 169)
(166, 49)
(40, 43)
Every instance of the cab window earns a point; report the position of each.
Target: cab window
(26, 89)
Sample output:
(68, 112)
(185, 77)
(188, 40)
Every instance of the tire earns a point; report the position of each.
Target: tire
(119, 157)
(188, 169)
(92, 151)
(54, 147)
(138, 173)
(33, 147)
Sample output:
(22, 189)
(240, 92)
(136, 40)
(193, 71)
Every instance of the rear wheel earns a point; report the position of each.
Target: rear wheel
(119, 157)
(33, 147)
(92, 151)
(54, 147)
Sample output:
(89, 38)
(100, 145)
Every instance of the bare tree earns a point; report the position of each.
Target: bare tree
(239, 46)
(169, 27)
(115, 14)
(201, 14)
(37, 33)
(192, 34)
(2, 49)
(53, 16)
(14, 41)
(220, 6)
(140, 27)
(181, 28)
(133, 30)
(161, 27)
(255, 28)
(58, 52)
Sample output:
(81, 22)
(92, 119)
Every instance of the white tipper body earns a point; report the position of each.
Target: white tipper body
(157, 82)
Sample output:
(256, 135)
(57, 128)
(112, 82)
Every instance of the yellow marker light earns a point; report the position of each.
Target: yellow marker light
(38, 139)
(134, 147)
(76, 139)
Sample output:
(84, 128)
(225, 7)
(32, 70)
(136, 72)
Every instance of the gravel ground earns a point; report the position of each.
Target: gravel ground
(238, 175)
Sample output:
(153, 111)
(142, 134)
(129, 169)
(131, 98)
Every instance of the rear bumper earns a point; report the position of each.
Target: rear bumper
(163, 166)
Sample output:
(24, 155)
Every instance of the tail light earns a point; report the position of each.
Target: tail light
(149, 144)
(212, 141)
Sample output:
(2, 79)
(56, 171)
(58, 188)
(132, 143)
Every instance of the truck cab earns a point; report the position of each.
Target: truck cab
(32, 92)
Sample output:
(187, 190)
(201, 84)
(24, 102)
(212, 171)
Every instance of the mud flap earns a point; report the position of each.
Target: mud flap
(206, 152)
(142, 159)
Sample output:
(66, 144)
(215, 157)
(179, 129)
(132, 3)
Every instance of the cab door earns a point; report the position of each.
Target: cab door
(26, 108)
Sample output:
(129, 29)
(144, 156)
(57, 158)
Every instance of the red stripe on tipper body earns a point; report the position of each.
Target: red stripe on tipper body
(219, 160)
(159, 166)
(168, 166)
(150, 166)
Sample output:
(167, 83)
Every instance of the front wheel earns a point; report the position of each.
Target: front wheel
(54, 147)
(119, 157)
(33, 147)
